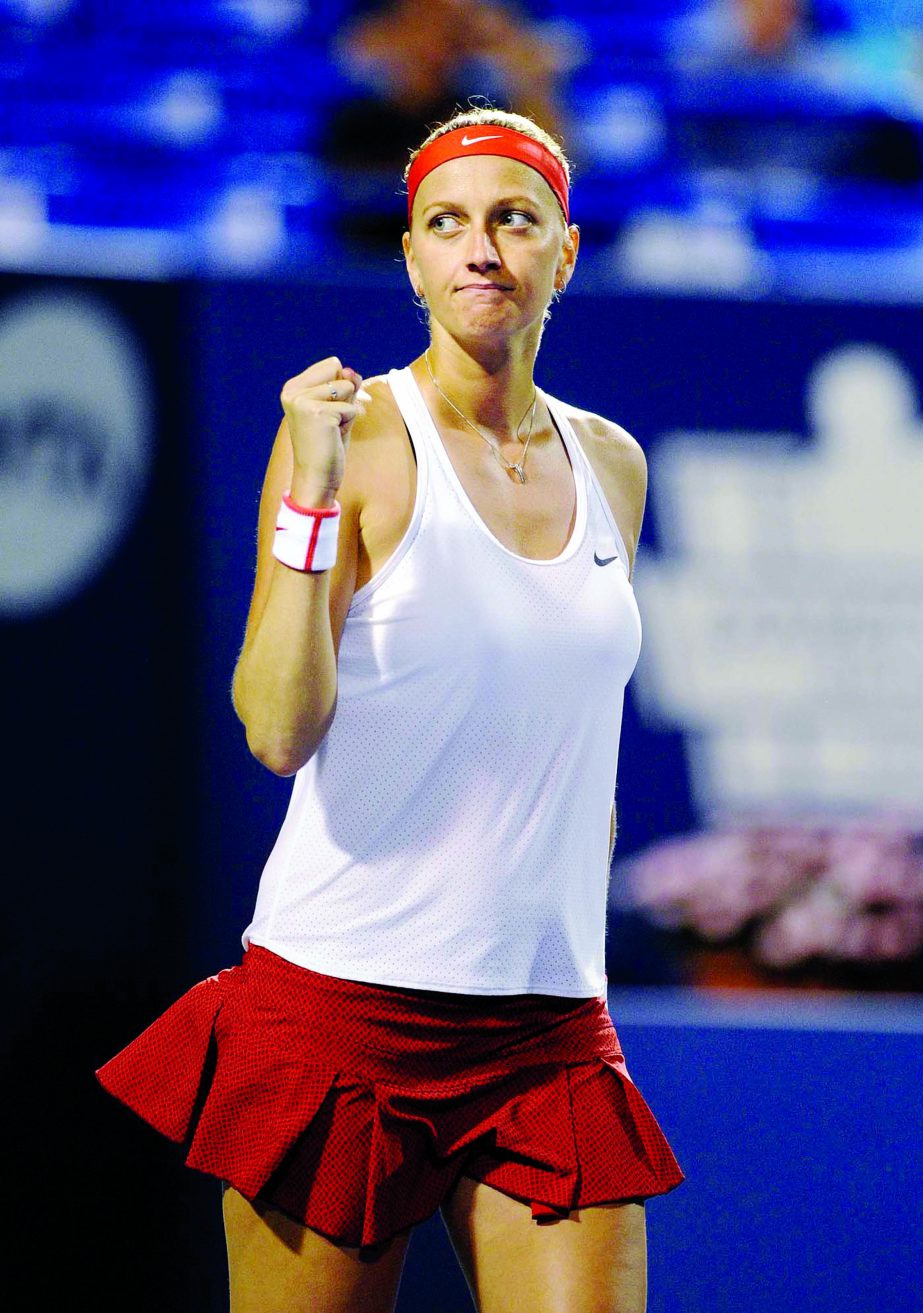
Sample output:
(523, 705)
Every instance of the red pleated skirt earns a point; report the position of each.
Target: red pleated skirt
(354, 1108)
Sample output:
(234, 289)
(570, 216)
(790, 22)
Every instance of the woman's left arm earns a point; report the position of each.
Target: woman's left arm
(620, 466)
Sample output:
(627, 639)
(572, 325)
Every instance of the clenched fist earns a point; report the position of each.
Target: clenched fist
(320, 405)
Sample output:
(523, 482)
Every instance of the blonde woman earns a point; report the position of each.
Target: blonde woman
(441, 630)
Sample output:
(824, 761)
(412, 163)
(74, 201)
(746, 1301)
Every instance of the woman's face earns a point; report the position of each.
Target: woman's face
(488, 246)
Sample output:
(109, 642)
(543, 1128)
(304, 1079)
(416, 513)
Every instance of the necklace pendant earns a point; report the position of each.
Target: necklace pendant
(516, 469)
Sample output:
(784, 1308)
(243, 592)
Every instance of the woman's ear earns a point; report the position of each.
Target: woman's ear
(569, 250)
(411, 265)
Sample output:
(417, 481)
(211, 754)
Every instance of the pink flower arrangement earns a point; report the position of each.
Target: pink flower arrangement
(835, 892)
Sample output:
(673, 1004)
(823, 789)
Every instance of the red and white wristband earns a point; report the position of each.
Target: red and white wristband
(306, 539)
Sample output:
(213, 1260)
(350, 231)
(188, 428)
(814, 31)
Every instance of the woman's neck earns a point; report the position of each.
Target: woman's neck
(493, 387)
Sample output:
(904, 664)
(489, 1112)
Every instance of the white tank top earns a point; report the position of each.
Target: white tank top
(452, 830)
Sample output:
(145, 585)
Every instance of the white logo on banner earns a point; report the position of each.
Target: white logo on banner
(784, 619)
(75, 413)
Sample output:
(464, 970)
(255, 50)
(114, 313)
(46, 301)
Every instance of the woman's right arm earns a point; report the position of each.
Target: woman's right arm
(285, 682)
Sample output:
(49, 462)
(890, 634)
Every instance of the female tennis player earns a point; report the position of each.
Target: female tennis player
(441, 631)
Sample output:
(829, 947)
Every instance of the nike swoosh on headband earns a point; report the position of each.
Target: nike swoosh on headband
(607, 561)
(460, 143)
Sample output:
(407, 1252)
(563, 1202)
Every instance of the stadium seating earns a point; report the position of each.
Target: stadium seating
(170, 118)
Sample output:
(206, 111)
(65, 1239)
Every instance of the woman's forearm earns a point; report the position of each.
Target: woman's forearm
(285, 683)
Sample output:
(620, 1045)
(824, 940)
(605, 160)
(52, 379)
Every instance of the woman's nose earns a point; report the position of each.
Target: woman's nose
(483, 253)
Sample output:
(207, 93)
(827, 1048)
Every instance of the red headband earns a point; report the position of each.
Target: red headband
(488, 139)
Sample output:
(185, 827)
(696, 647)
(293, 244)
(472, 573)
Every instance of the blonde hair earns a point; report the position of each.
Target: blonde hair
(485, 115)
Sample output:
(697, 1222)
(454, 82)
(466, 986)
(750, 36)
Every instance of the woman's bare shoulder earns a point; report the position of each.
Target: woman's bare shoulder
(380, 481)
(380, 417)
(377, 436)
(606, 439)
(619, 464)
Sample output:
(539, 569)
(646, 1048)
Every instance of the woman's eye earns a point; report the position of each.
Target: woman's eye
(444, 223)
(517, 219)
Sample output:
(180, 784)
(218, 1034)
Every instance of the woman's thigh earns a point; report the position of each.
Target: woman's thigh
(276, 1264)
(594, 1261)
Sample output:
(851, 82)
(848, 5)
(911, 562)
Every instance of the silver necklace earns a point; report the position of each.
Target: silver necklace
(512, 467)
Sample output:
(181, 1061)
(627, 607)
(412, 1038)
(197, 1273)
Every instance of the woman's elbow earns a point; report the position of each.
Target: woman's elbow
(284, 754)
(282, 764)
(281, 741)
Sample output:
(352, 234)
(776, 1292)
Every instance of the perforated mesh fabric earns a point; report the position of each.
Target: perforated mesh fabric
(452, 831)
(355, 1108)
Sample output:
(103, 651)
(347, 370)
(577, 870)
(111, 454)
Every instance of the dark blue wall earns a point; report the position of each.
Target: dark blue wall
(803, 1160)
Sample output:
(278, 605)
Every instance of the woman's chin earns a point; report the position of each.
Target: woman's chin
(489, 319)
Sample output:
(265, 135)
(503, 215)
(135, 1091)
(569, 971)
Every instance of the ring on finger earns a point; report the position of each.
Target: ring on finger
(334, 395)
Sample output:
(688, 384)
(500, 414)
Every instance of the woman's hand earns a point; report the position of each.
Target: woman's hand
(320, 405)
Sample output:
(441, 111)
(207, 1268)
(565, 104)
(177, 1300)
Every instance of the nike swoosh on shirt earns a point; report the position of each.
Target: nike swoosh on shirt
(607, 561)
(473, 141)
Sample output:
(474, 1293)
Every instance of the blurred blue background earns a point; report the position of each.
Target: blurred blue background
(741, 146)
(197, 199)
